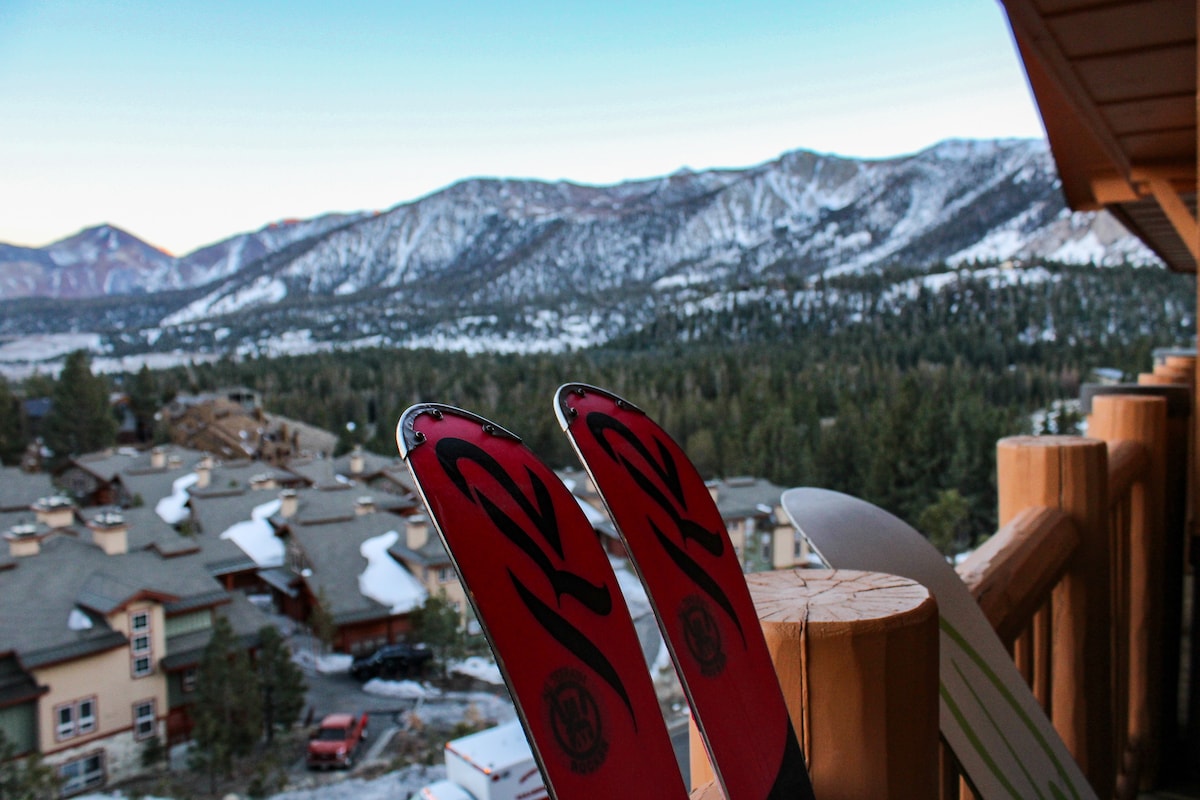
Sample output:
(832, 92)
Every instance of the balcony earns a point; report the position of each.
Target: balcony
(1088, 583)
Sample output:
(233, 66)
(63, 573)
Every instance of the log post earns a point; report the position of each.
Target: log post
(857, 658)
(1070, 473)
(1117, 418)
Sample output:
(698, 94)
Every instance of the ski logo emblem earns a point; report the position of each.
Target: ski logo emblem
(702, 636)
(667, 493)
(540, 511)
(575, 719)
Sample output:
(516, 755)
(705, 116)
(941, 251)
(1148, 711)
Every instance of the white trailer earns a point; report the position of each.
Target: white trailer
(495, 764)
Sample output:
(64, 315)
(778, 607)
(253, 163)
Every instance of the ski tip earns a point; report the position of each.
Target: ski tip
(408, 437)
(565, 411)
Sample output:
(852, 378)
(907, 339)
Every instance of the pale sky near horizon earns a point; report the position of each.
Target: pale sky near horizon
(188, 121)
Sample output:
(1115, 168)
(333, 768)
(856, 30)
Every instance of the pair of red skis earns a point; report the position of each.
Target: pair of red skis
(547, 598)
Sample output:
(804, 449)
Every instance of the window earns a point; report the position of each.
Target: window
(66, 722)
(445, 574)
(86, 716)
(75, 719)
(187, 681)
(139, 644)
(82, 773)
(143, 720)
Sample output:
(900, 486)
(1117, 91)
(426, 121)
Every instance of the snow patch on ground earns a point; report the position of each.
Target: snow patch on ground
(405, 690)
(331, 663)
(479, 668)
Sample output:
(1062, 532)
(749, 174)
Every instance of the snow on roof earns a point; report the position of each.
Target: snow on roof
(257, 538)
(494, 748)
(172, 508)
(79, 621)
(384, 580)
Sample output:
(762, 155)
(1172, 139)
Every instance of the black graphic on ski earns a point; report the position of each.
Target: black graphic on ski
(547, 599)
(676, 538)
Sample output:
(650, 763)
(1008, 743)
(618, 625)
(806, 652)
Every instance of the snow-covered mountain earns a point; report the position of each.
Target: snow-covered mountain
(524, 258)
(105, 261)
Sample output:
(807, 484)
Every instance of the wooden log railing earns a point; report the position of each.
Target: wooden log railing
(1073, 581)
(1080, 582)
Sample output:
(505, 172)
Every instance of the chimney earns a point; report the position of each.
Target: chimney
(288, 503)
(23, 540)
(416, 531)
(109, 532)
(364, 505)
(54, 512)
(357, 461)
(262, 480)
(204, 472)
(158, 458)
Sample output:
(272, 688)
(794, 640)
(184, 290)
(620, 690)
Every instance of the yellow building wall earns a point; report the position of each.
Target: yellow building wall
(108, 678)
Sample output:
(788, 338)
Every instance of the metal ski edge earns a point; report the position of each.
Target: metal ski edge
(501, 665)
(407, 437)
(566, 416)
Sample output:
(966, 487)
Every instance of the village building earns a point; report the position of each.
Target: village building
(122, 613)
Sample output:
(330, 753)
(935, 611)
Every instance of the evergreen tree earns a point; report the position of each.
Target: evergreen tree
(12, 433)
(25, 779)
(944, 522)
(227, 715)
(320, 620)
(437, 624)
(80, 419)
(280, 682)
(143, 402)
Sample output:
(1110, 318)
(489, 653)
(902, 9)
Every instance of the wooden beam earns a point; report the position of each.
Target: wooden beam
(1177, 212)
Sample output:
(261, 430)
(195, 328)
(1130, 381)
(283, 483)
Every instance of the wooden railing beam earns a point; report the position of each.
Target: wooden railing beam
(1071, 474)
(1013, 573)
(1138, 423)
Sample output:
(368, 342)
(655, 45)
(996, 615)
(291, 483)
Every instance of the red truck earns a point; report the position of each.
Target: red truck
(336, 741)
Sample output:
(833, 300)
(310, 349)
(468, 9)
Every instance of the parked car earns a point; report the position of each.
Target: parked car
(335, 743)
(392, 661)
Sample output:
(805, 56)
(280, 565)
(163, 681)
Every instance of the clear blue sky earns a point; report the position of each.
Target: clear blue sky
(185, 122)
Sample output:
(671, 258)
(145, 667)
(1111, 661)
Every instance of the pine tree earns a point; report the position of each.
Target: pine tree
(437, 624)
(143, 402)
(12, 433)
(320, 620)
(80, 419)
(24, 779)
(280, 683)
(227, 716)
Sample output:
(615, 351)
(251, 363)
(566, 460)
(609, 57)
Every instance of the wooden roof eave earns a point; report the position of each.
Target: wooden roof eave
(1154, 198)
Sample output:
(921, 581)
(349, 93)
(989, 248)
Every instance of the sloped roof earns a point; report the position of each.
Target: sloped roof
(19, 489)
(39, 593)
(334, 553)
(1115, 83)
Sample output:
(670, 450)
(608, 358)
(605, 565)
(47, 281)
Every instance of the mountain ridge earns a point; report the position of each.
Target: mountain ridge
(523, 259)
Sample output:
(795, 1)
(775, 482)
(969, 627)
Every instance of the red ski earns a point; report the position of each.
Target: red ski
(548, 601)
(678, 544)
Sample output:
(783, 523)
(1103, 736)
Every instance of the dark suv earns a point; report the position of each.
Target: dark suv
(391, 661)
